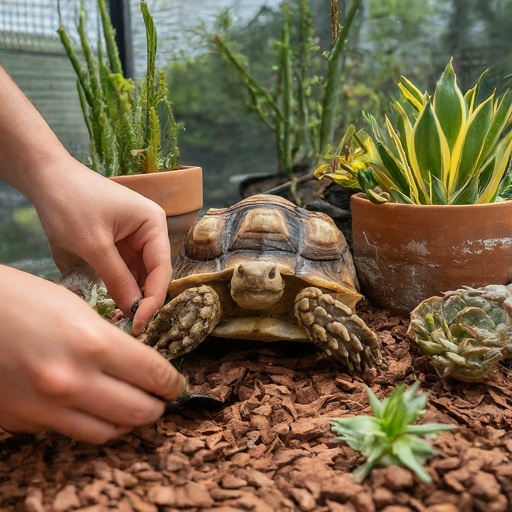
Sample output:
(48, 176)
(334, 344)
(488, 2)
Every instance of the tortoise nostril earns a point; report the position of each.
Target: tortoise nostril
(240, 270)
(272, 274)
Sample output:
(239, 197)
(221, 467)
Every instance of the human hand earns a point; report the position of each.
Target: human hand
(63, 367)
(119, 233)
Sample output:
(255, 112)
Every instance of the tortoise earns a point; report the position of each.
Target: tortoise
(265, 269)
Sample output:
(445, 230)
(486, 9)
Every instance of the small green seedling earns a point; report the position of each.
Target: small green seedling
(389, 438)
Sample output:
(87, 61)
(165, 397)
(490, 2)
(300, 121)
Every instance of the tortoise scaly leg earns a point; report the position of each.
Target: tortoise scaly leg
(332, 326)
(184, 322)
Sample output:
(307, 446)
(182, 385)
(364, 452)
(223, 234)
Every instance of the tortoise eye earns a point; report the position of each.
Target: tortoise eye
(241, 270)
(272, 274)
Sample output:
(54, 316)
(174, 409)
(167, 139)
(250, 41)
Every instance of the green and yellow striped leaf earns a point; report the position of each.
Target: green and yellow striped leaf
(469, 147)
(411, 93)
(449, 106)
(500, 120)
(502, 160)
(429, 152)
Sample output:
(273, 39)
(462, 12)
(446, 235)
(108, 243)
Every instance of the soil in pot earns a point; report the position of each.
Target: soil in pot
(407, 253)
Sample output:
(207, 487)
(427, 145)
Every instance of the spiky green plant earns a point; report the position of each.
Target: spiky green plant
(389, 437)
(131, 127)
(450, 149)
(466, 332)
(302, 127)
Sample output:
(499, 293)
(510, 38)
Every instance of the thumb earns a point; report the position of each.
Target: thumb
(118, 279)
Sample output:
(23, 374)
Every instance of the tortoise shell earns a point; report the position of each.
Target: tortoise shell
(304, 244)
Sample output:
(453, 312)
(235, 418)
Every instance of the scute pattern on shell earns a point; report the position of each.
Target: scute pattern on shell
(304, 244)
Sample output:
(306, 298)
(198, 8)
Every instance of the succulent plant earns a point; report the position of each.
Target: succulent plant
(85, 282)
(447, 148)
(389, 438)
(466, 332)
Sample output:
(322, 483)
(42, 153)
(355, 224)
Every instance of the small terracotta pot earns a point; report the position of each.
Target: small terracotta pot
(405, 254)
(178, 192)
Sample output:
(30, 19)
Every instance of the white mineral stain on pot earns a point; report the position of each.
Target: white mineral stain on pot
(417, 247)
(479, 246)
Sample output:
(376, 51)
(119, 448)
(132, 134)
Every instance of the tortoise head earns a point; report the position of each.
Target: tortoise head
(256, 285)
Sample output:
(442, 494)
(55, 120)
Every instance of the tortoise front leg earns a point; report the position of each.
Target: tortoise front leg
(332, 325)
(184, 322)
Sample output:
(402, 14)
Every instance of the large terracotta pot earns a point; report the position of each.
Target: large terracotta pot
(407, 253)
(179, 193)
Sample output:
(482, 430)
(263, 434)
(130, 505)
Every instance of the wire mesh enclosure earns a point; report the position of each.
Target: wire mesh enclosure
(31, 25)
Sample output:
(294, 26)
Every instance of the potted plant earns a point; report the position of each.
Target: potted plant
(300, 109)
(133, 133)
(433, 214)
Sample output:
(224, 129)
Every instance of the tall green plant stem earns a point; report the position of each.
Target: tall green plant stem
(305, 137)
(129, 132)
(334, 20)
(286, 67)
(250, 81)
(333, 79)
(110, 40)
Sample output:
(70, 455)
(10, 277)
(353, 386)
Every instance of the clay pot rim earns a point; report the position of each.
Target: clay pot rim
(177, 192)
(142, 175)
(361, 198)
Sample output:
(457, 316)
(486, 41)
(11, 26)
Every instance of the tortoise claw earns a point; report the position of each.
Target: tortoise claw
(332, 326)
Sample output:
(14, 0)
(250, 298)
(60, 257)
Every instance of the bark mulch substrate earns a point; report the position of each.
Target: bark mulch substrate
(269, 448)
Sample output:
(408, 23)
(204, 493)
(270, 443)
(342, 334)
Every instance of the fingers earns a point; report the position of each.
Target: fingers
(117, 277)
(142, 367)
(84, 427)
(27, 427)
(118, 402)
(147, 308)
(156, 254)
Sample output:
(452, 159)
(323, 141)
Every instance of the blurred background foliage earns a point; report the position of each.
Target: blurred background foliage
(389, 38)
(415, 38)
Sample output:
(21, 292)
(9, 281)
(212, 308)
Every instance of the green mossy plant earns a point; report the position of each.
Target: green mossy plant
(389, 437)
(131, 126)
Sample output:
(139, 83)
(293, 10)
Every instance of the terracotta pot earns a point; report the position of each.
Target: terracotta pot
(179, 193)
(405, 254)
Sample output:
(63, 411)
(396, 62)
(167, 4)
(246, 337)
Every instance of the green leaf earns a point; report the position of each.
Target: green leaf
(375, 404)
(429, 429)
(484, 177)
(502, 161)
(472, 96)
(411, 93)
(368, 182)
(406, 456)
(428, 142)
(399, 197)
(469, 194)
(449, 105)
(499, 122)
(476, 132)
(394, 170)
(439, 191)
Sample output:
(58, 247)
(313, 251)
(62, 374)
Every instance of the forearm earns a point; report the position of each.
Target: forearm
(29, 151)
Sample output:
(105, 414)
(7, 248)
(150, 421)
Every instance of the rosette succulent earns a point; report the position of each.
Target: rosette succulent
(389, 437)
(466, 332)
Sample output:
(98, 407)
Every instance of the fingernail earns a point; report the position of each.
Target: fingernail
(135, 306)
